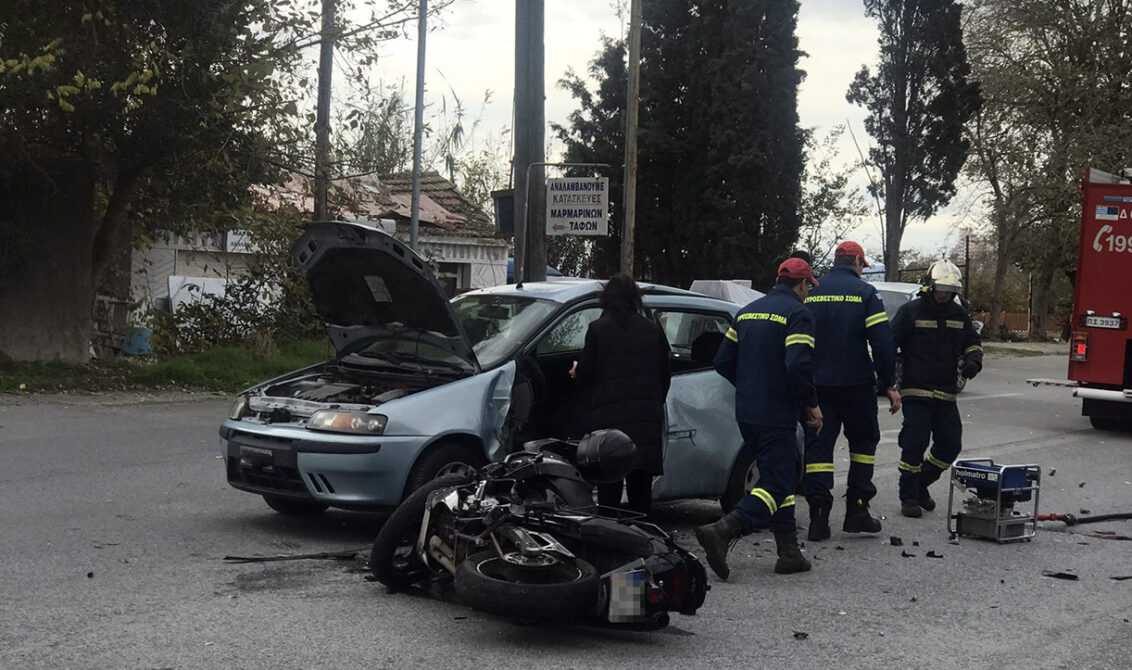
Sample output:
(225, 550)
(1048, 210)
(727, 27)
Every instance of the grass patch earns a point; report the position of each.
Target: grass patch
(220, 369)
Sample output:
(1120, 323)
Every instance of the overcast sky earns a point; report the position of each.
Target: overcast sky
(473, 52)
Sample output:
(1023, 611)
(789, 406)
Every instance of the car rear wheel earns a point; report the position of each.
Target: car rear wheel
(744, 474)
(292, 507)
(443, 460)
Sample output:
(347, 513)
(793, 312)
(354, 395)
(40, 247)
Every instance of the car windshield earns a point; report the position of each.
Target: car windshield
(497, 325)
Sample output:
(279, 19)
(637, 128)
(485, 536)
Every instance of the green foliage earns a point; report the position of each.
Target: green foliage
(270, 303)
(226, 369)
(719, 180)
(918, 101)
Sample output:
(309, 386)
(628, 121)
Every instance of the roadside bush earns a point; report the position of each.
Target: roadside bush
(269, 305)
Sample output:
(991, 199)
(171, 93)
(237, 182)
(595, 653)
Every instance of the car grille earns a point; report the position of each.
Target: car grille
(277, 478)
(278, 473)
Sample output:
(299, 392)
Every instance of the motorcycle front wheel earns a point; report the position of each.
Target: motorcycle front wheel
(564, 590)
(393, 559)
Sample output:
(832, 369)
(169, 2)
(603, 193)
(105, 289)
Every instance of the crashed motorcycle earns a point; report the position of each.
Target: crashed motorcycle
(523, 539)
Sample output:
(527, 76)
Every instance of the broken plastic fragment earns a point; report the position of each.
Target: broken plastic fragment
(1068, 576)
(801, 635)
(933, 554)
(896, 541)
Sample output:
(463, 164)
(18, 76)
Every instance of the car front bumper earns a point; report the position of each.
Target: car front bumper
(348, 471)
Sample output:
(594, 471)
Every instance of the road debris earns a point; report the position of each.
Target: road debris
(905, 554)
(913, 598)
(1086, 511)
(933, 554)
(90, 575)
(1068, 576)
(896, 541)
(1081, 485)
(344, 555)
(1121, 578)
(915, 543)
(1052, 471)
(801, 635)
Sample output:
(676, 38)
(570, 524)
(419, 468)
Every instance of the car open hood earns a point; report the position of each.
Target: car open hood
(367, 286)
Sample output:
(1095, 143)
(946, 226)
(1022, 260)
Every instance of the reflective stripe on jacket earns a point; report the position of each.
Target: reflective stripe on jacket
(768, 356)
(933, 339)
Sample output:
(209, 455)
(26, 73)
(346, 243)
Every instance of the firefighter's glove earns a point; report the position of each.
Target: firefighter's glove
(971, 369)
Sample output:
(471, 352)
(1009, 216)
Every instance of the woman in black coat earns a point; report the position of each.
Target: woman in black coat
(624, 374)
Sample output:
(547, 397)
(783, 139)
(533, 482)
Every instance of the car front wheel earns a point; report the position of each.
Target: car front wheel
(445, 459)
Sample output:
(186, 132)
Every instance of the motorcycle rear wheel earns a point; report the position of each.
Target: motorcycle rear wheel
(393, 559)
(564, 591)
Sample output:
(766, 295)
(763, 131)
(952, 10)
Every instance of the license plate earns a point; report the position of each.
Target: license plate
(627, 596)
(1103, 322)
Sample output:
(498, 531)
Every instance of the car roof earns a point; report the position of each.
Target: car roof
(569, 289)
(896, 286)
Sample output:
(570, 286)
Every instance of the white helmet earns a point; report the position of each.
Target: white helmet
(944, 276)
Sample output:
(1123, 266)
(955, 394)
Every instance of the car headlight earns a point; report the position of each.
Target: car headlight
(334, 421)
(239, 408)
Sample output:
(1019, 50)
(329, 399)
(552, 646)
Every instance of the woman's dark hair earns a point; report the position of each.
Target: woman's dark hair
(621, 297)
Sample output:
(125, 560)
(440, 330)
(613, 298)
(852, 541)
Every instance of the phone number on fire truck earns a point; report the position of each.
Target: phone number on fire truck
(1106, 241)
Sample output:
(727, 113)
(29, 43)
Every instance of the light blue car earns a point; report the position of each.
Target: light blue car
(422, 386)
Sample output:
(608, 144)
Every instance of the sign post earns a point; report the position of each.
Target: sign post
(577, 206)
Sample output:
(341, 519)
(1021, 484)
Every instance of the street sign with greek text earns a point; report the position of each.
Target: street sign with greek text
(577, 206)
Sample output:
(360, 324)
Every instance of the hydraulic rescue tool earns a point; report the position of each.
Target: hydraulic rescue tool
(993, 490)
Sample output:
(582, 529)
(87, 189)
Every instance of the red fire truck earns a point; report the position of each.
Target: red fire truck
(1100, 357)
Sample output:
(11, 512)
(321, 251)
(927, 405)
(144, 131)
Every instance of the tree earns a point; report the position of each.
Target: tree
(1058, 102)
(596, 134)
(918, 102)
(720, 148)
(118, 114)
(831, 206)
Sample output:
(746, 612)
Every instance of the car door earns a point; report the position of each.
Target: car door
(555, 350)
(702, 438)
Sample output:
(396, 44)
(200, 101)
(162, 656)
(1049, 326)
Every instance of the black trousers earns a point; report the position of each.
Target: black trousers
(927, 420)
(639, 485)
(771, 503)
(854, 409)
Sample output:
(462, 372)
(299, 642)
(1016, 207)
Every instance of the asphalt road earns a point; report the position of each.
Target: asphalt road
(115, 518)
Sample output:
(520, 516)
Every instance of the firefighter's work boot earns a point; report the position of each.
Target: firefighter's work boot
(819, 521)
(911, 508)
(716, 540)
(858, 519)
(790, 558)
(926, 499)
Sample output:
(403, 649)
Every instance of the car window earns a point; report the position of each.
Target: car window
(496, 325)
(569, 334)
(693, 336)
(893, 301)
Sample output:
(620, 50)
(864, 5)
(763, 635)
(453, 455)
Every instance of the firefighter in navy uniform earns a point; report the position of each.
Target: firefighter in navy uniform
(768, 356)
(849, 318)
(934, 336)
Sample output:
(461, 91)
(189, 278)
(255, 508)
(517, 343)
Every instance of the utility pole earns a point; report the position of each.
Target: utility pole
(322, 114)
(632, 102)
(418, 126)
(530, 149)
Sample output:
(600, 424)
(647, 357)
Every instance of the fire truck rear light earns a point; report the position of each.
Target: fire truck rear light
(1080, 350)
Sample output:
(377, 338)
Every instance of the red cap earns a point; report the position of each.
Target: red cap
(850, 248)
(796, 268)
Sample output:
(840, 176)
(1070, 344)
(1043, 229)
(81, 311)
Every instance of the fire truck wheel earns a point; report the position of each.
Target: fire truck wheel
(1108, 425)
